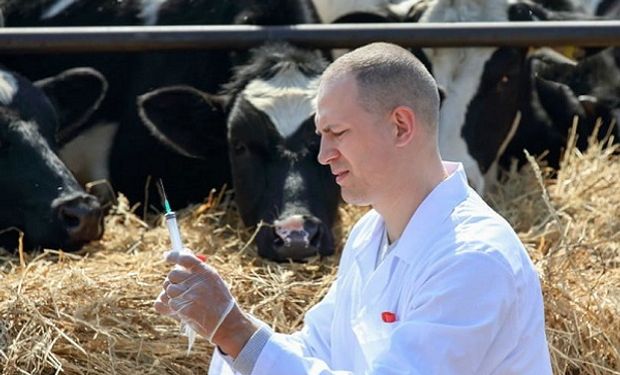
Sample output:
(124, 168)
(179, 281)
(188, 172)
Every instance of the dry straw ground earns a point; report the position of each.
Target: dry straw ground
(92, 314)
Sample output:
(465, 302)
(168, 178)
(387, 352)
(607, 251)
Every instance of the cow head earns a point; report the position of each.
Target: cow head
(272, 146)
(555, 93)
(39, 196)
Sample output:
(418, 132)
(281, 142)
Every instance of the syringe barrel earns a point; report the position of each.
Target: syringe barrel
(173, 230)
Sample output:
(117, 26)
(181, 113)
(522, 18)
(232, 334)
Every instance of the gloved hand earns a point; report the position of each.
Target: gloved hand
(195, 294)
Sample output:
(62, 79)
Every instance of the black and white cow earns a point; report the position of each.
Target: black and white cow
(39, 196)
(487, 87)
(135, 156)
(273, 148)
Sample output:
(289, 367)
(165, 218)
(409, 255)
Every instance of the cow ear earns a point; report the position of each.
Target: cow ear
(191, 122)
(75, 94)
(417, 11)
(590, 104)
(552, 65)
(526, 10)
(559, 102)
(364, 17)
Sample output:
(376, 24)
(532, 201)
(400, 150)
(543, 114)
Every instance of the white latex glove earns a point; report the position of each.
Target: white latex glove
(195, 294)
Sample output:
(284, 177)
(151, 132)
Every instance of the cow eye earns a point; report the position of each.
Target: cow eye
(503, 81)
(240, 148)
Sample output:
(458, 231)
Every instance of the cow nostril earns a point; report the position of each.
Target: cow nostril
(313, 227)
(278, 241)
(316, 236)
(69, 219)
(296, 237)
(81, 217)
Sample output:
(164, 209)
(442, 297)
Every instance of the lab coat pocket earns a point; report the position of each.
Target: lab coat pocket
(374, 332)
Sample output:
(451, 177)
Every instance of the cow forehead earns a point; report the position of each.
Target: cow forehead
(29, 133)
(8, 87)
(286, 98)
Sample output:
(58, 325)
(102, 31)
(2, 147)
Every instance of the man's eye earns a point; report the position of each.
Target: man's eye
(339, 134)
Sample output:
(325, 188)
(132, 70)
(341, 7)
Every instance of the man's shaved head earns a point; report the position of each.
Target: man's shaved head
(389, 76)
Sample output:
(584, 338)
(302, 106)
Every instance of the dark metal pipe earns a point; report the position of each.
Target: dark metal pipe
(149, 38)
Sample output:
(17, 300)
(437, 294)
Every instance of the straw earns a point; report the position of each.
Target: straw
(92, 313)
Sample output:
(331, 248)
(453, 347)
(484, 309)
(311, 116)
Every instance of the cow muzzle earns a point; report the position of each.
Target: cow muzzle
(296, 237)
(81, 217)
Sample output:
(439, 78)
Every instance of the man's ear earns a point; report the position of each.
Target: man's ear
(405, 122)
(190, 121)
(442, 94)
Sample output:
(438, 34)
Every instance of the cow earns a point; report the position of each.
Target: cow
(548, 92)
(40, 198)
(298, 221)
(134, 156)
(267, 112)
(487, 87)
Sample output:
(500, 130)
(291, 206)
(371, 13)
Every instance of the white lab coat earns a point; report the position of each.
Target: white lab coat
(466, 297)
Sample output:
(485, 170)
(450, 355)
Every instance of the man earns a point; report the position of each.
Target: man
(431, 280)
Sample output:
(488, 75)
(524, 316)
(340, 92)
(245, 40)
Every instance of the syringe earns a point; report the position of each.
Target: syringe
(177, 247)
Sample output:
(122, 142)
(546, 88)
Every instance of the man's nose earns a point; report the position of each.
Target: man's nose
(327, 152)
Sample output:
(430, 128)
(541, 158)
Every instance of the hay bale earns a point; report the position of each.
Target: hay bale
(570, 224)
(92, 313)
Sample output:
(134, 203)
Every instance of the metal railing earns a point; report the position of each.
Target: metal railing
(150, 38)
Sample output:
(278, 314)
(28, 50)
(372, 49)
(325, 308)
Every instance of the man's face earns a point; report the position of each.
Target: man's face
(354, 143)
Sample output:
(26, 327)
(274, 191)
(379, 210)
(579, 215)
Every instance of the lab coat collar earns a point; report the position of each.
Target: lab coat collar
(426, 220)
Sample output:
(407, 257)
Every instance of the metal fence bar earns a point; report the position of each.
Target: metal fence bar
(150, 38)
